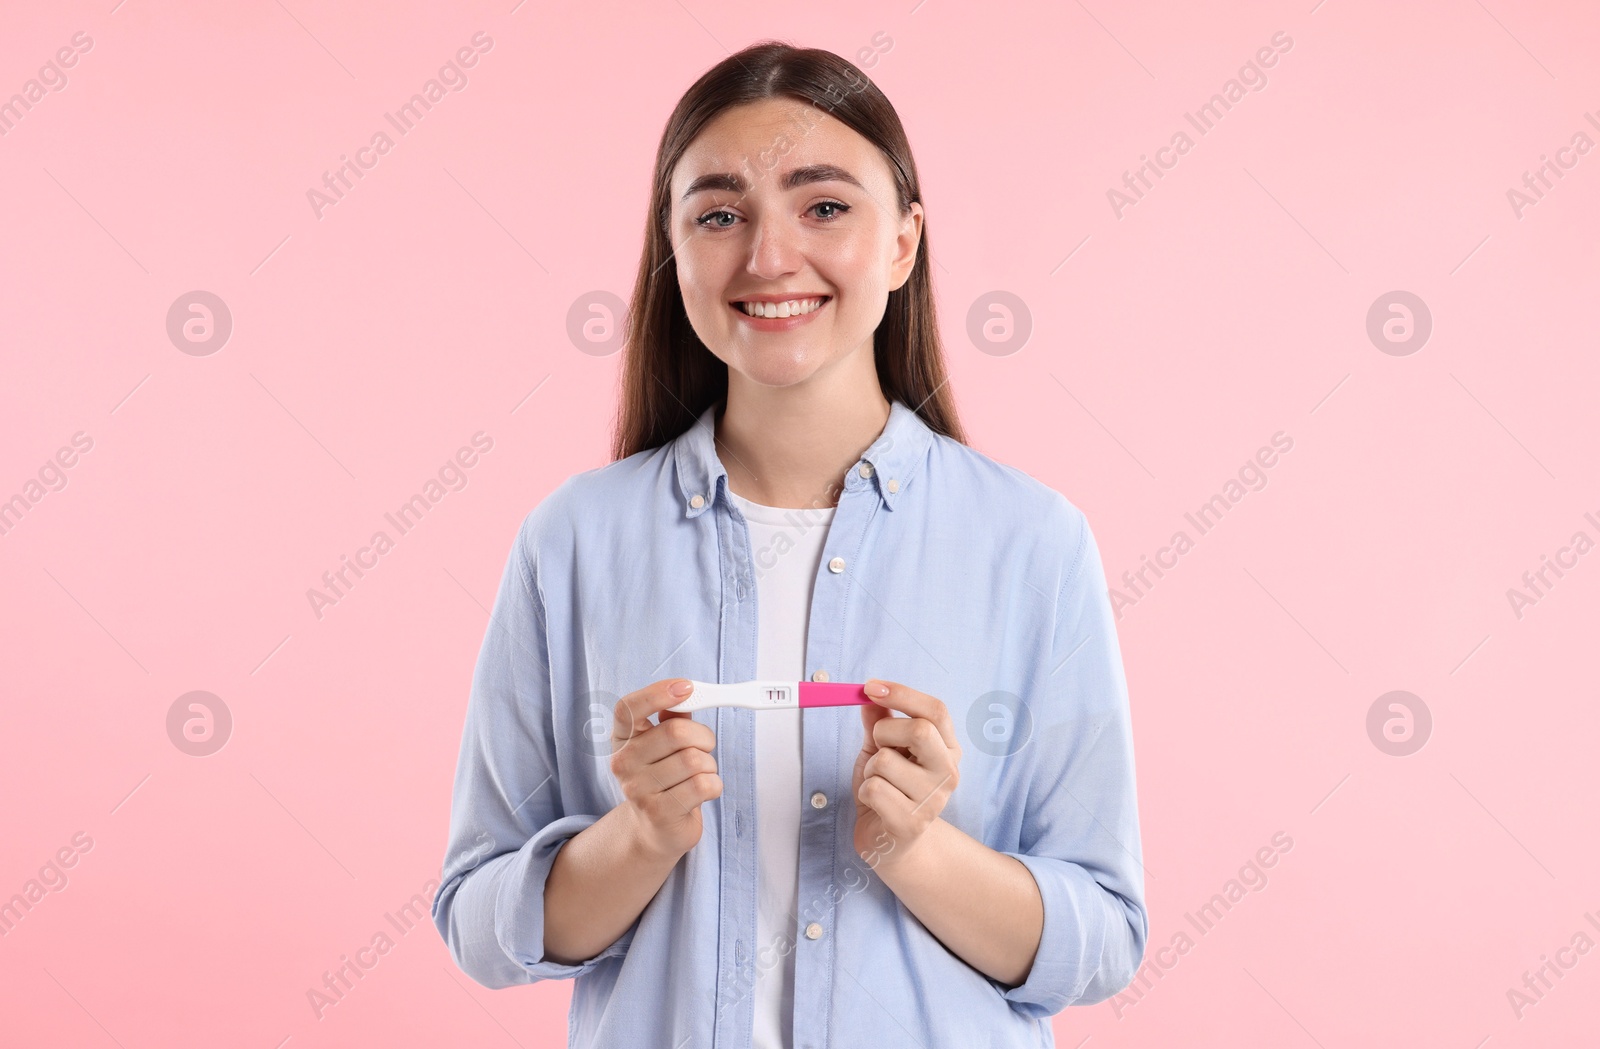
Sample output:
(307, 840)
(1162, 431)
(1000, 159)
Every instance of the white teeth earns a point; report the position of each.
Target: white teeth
(791, 308)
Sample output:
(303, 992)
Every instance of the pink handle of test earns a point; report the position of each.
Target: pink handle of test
(832, 694)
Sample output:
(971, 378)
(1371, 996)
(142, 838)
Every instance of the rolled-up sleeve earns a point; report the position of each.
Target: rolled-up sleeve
(1080, 828)
(506, 817)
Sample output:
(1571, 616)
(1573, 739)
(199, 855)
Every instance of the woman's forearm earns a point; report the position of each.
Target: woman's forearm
(982, 904)
(600, 883)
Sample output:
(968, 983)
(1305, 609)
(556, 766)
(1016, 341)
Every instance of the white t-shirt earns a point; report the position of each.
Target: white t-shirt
(786, 547)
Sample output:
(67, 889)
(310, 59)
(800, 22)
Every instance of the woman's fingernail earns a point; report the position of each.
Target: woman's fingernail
(682, 688)
(877, 688)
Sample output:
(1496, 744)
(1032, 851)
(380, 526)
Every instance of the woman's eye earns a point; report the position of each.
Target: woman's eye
(710, 219)
(706, 220)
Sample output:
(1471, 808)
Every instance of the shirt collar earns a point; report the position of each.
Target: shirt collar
(892, 459)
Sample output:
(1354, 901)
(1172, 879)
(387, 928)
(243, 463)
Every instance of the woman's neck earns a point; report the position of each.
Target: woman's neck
(791, 446)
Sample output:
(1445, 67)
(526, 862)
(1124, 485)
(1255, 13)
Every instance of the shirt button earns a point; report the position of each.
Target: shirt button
(819, 800)
(836, 565)
(813, 931)
(819, 675)
(698, 501)
(894, 486)
(865, 470)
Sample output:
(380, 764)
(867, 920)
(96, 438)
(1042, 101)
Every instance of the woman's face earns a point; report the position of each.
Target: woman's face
(776, 201)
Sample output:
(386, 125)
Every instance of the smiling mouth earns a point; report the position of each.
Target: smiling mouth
(778, 310)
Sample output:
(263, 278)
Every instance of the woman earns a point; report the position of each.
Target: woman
(949, 865)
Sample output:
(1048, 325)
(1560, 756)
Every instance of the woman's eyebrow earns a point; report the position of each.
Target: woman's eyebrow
(792, 179)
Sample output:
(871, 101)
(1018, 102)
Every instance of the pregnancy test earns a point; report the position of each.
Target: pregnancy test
(772, 695)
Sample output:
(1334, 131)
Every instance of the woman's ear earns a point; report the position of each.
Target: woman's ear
(907, 243)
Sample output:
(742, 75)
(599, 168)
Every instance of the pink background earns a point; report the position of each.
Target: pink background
(1166, 347)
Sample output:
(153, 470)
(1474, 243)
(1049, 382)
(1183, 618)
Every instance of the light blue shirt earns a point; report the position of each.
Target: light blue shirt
(949, 572)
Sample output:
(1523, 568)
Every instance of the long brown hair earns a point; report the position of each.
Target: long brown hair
(669, 377)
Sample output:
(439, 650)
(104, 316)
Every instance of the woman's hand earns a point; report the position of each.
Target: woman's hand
(665, 770)
(906, 771)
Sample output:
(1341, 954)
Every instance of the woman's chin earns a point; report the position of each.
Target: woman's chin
(776, 379)
(770, 370)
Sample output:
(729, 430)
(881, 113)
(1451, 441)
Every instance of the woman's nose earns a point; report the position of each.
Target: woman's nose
(774, 248)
